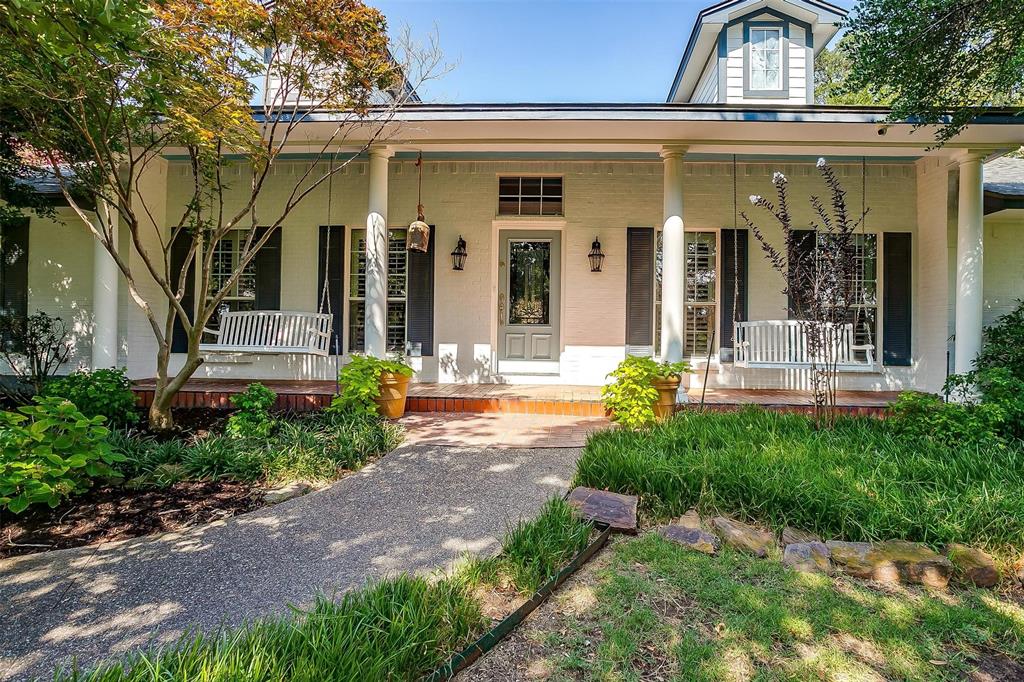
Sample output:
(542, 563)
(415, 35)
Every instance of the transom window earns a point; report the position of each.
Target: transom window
(226, 256)
(529, 196)
(765, 58)
(398, 263)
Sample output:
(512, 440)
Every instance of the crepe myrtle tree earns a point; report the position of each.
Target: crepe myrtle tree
(821, 273)
(100, 89)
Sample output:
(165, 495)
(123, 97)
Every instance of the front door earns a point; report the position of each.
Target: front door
(529, 274)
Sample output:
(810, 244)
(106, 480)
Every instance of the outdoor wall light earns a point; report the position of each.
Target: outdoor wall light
(596, 256)
(459, 254)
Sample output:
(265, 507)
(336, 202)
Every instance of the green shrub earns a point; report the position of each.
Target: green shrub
(397, 629)
(360, 383)
(106, 392)
(632, 395)
(534, 551)
(926, 416)
(252, 420)
(1004, 344)
(49, 451)
(862, 480)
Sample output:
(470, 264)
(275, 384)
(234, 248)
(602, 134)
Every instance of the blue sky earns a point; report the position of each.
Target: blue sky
(552, 51)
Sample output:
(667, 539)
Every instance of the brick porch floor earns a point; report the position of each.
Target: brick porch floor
(573, 401)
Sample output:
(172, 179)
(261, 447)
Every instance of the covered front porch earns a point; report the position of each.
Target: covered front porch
(534, 399)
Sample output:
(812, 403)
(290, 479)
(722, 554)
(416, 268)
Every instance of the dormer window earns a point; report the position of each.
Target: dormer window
(765, 59)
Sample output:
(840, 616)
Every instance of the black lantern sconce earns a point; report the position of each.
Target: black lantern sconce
(596, 256)
(459, 254)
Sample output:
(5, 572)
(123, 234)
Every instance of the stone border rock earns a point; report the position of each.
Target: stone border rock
(892, 561)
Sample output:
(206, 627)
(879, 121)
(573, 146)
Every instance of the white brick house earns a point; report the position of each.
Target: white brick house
(530, 187)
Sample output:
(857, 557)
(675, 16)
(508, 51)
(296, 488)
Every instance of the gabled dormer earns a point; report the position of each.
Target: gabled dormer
(755, 52)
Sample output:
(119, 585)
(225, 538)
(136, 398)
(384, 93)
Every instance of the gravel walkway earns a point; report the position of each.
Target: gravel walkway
(417, 509)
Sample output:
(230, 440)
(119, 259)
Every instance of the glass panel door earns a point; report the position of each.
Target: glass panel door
(529, 285)
(701, 293)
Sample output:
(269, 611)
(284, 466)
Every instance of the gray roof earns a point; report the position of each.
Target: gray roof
(1005, 176)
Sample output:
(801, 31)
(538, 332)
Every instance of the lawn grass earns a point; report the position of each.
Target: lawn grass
(654, 610)
(396, 629)
(534, 551)
(859, 481)
(318, 446)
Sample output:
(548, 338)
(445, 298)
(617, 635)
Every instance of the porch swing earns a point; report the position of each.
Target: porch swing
(783, 344)
(279, 332)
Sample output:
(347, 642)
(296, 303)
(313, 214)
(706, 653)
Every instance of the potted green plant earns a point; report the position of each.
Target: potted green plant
(374, 385)
(643, 391)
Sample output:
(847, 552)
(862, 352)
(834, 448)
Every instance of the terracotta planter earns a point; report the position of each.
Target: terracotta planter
(668, 389)
(393, 390)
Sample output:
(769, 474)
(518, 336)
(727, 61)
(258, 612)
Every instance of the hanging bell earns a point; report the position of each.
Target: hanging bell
(418, 236)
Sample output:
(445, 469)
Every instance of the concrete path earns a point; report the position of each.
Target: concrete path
(417, 509)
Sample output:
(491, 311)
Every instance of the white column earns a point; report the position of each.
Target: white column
(377, 254)
(969, 252)
(673, 256)
(104, 297)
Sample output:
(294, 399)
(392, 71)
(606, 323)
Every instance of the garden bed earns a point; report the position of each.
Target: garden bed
(108, 514)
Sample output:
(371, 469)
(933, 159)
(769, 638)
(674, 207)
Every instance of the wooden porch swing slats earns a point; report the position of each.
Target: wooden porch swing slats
(271, 332)
(782, 344)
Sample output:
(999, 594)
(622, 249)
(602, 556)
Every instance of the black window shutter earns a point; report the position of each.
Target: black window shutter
(179, 252)
(14, 267)
(419, 317)
(332, 258)
(267, 263)
(896, 298)
(734, 271)
(640, 249)
(804, 243)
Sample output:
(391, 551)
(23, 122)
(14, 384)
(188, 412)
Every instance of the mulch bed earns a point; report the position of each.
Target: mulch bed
(109, 514)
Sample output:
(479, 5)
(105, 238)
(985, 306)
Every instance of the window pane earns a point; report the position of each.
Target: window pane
(551, 207)
(552, 187)
(529, 206)
(357, 265)
(529, 282)
(508, 206)
(508, 186)
(531, 187)
(397, 261)
(356, 325)
(396, 326)
(700, 267)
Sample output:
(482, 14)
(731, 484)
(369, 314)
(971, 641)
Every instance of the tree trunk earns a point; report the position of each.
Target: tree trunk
(160, 415)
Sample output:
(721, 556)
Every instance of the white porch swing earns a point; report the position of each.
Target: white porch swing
(783, 344)
(278, 332)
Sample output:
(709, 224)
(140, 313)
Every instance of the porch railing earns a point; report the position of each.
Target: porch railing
(782, 344)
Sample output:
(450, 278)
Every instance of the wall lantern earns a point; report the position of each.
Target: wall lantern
(418, 236)
(459, 254)
(596, 256)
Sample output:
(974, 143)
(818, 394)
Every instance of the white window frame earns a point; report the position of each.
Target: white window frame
(718, 294)
(351, 286)
(519, 196)
(237, 237)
